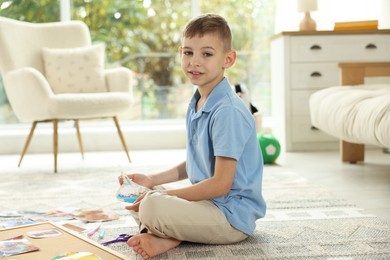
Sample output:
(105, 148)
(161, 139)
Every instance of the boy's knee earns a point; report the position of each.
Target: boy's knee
(153, 214)
(149, 210)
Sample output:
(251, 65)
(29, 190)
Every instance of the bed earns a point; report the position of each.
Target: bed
(356, 113)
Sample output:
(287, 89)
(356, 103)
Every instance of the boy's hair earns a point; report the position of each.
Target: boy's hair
(209, 23)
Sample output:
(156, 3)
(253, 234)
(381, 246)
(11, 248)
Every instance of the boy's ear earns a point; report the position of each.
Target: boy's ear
(230, 59)
(180, 51)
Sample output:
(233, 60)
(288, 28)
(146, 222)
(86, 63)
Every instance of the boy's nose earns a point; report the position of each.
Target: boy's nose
(194, 62)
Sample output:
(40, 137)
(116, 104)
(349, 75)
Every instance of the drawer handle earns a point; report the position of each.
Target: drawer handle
(315, 47)
(371, 46)
(316, 74)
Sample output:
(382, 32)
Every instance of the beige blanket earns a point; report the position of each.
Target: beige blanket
(357, 114)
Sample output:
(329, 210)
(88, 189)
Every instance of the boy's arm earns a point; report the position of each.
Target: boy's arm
(176, 173)
(216, 186)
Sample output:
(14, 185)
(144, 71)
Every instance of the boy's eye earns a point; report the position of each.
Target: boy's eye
(187, 53)
(207, 54)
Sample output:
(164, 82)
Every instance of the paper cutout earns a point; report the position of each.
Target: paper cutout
(56, 216)
(15, 223)
(44, 233)
(73, 227)
(78, 256)
(16, 246)
(96, 215)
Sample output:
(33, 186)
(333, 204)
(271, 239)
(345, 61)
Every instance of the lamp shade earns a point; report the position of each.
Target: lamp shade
(306, 5)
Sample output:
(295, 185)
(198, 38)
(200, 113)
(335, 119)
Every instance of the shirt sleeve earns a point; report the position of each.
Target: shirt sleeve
(230, 131)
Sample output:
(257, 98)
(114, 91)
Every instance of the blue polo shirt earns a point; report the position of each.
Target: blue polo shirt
(225, 127)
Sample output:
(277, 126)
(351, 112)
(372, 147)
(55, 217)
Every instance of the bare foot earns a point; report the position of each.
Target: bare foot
(148, 245)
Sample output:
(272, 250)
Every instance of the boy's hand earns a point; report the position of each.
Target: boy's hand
(135, 206)
(140, 179)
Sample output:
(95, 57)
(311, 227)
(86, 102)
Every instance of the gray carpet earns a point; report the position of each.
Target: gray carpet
(303, 221)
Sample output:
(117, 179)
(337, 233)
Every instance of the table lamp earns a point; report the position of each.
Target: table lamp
(307, 24)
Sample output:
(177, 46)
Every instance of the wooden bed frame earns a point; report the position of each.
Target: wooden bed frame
(354, 74)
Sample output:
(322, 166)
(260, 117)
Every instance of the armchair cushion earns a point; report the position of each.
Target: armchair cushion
(88, 105)
(120, 79)
(75, 70)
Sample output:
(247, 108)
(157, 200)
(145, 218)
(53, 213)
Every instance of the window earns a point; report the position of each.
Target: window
(145, 36)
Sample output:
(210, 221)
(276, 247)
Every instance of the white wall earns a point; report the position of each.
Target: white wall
(331, 11)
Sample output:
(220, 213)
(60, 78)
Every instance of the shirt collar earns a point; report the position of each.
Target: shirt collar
(216, 94)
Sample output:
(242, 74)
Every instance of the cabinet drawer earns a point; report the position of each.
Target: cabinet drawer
(300, 102)
(302, 131)
(314, 75)
(340, 48)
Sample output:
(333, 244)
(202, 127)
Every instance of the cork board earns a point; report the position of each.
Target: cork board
(51, 247)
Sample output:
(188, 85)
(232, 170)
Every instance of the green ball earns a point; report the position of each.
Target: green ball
(270, 147)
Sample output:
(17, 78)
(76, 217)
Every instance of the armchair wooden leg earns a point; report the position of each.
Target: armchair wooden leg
(121, 137)
(351, 152)
(55, 143)
(76, 125)
(30, 135)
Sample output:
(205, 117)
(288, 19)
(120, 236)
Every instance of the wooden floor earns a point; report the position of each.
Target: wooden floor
(367, 185)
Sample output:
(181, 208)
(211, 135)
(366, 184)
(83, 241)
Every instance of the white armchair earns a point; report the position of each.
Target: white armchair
(52, 72)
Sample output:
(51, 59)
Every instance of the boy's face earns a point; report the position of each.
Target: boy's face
(203, 60)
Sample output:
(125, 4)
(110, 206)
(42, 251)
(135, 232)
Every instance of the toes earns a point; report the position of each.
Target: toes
(132, 241)
(137, 249)
(141, 252)
(145, 256)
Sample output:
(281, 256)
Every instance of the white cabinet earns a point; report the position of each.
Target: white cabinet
(303, 62)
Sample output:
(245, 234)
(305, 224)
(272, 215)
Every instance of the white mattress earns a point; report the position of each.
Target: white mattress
(357, 114)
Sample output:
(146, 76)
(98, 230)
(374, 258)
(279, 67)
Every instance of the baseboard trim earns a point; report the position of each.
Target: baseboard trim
(97, 136)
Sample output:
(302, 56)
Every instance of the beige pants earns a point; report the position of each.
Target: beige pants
(194, 221)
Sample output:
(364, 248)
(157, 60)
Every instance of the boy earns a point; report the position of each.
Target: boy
(224, 161)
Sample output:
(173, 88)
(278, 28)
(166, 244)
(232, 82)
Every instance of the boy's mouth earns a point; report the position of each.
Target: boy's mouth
(195, 74)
